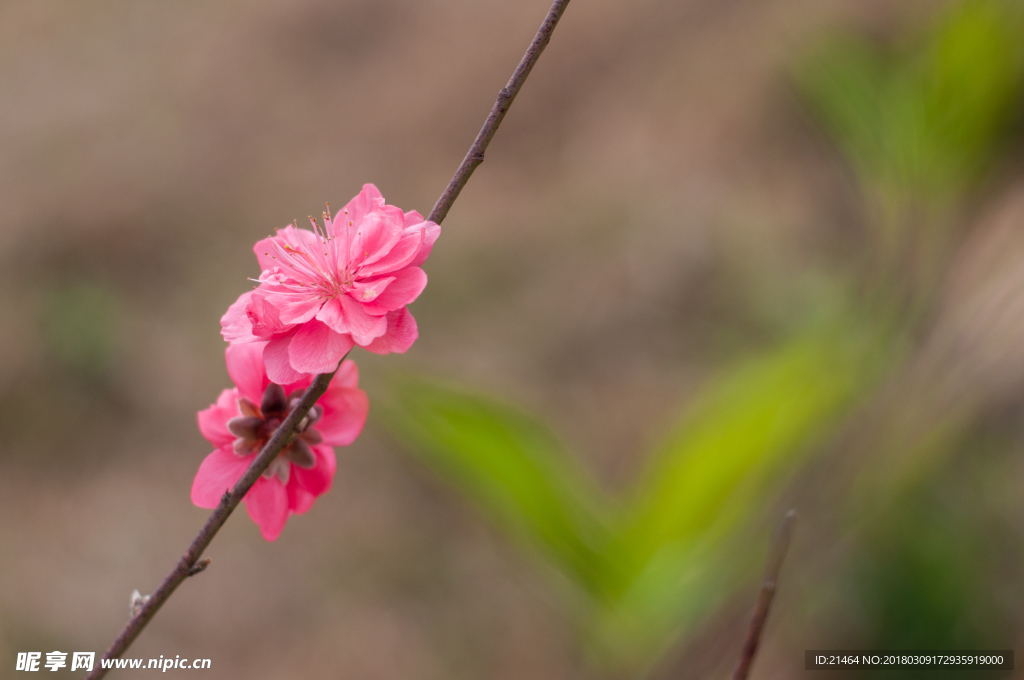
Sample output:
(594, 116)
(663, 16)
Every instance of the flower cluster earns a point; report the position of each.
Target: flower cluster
(344, 284)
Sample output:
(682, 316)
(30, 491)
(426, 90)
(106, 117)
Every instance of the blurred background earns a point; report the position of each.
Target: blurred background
(724, 259)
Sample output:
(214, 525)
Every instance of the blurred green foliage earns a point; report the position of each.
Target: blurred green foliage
(921, 579)
(925, 118)
(512, 465)
(940, 571)
(666, 554)
(921, 122)
(707, 482)
(79, 326)
(57, 410)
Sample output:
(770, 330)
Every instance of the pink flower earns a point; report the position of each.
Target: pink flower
(244, 417)
(344, 284)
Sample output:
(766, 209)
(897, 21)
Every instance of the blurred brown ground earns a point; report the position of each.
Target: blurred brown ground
(653, 197)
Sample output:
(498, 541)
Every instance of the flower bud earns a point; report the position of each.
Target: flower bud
(279, 468)
(274, 400)
(246, 427)
(299, 453)
(137, 601)
(311, 437)
(245, 447)
(247, 407)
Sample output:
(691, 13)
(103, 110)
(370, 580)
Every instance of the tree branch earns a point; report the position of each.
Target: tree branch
(189, 564)
(475, 156)
(776, 555)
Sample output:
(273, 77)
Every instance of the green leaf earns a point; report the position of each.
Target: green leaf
(927, 117)
(510, 465)
(685, 543)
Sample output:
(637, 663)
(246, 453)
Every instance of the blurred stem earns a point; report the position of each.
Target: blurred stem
(776, 555)
(186, 566)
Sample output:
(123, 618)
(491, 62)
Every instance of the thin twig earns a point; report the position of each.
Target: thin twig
(189, 564)
(776, 555)
(475, 156)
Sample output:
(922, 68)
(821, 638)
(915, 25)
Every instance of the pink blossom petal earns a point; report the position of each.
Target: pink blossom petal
(375, 235)
(294, 239)
(266, 253)
(300, 384)
(333, 316)
(371, 248)
(347, 316)
(363, 327)
(317, 480)
(217, 474)
(413, 218)
(400, 255)
(277, 362)
(430, 234)
(406, 287)
(401, 334)
(365, 201)
(293, 309)
(235, 324)
(213, 420)
(347, 375)
(367, 291)
(264, 316)
(315, 348)
(344, 416)
(300, 500)
(245, 366)
(267, 503)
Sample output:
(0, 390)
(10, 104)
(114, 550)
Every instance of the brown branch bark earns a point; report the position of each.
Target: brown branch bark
(776, 555)
(189, 564)
(475, 156)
